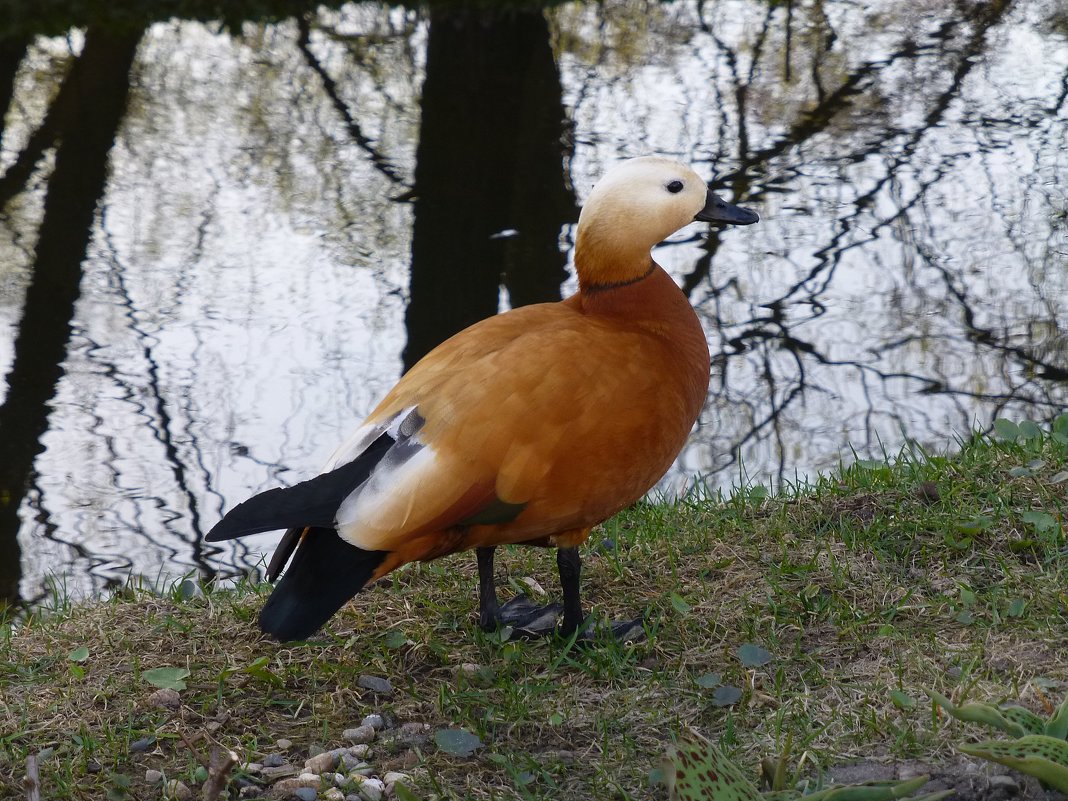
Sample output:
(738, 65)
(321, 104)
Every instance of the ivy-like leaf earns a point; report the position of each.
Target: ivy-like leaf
(753, 655)
(79, 654)
(726, 695)
(709, 680)
(166, 678)
(458, 742)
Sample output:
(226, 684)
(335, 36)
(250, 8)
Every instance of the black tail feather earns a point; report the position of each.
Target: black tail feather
(325, 573)
(310, 503)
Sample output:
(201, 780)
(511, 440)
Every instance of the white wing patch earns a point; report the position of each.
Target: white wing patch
(362, 438)
(390, 501)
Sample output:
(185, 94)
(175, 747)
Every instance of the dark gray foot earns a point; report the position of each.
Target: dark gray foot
(527, 619)
(622, 631)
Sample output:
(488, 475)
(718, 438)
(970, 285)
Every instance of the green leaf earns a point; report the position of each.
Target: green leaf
(395, 639)
(1059, 478)
(1019, 472)
(967, 597)
(709, 680)
(402, 793)
(964, 617)
(555, 719)
(974, 525)
(726, 695)
(679, 604)
(1016, 607)
(1042, 522)
(902, 700)
(1045, 758)
(79, 654)
(758, 492)
(166, 678)
(753, 655)
(1029, 430)
(458, 742)
(1060, 424)
(1006, 430)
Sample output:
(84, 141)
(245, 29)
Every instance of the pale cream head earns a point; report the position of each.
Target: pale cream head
(636, 205)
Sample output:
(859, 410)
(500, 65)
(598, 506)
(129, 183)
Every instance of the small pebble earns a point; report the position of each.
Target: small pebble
(470, 669)
(349, 762)
(92, 766)
(373, 790)
(325, 762)
(287, 787)
(361, 751)
(176, 790)
(1005, 783)
(153, 776)
(305, 793)
(283, 744)
(144, 744)
(359, 774)
(253, 768)
(414, 733)
(374, 721)
(359, 735)
(274, 761)
(376, 684)
(532, 585)
(315, 749)
(280, 770)
(334, 794)
(250, 791)
(165, 698)
(393, 777)
(309, 778)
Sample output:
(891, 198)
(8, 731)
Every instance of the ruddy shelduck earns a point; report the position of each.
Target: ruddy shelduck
(528, 428)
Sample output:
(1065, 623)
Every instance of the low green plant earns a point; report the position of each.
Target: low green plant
(1039, 747)
(697, 770)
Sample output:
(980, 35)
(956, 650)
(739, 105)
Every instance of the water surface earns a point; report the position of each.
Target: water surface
(221, 245)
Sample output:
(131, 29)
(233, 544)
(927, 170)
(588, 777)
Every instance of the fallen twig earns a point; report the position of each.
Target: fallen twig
(222, 762)
(31, 782)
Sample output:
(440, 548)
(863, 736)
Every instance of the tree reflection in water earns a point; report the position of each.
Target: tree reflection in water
(295, 210)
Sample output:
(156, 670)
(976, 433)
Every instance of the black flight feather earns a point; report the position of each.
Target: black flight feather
(310, 503)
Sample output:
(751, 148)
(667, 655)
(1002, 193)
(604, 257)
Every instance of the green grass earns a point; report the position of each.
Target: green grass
(929, 571)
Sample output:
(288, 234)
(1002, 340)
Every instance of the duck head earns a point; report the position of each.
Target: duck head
(637, 204)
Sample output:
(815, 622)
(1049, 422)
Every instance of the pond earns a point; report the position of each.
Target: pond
(222, 242)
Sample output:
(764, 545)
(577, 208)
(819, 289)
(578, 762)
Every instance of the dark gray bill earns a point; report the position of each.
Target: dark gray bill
(718, 210)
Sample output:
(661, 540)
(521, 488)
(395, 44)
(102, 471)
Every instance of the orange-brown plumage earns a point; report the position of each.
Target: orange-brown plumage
(538, 424)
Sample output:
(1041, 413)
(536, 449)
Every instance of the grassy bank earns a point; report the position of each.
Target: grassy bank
(948, 573)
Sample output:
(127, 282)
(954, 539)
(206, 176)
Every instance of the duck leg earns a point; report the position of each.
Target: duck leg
(569, 563)
(526, 618)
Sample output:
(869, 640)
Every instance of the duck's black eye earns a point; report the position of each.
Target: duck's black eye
(674, 187)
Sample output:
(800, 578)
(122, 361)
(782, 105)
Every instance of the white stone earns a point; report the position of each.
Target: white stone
(393, 776)
(361, 751)
(372, 790)
(360, 734)
(374, 721)
(153, 776)
(334, 794)
(325, 762)
(176, 790)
